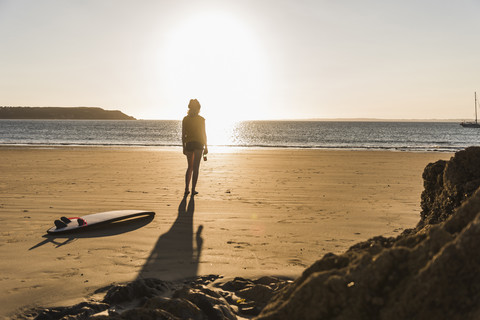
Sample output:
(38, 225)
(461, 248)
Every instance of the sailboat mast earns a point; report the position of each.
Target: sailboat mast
(476, 107)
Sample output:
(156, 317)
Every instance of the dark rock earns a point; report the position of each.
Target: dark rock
(180, 308)
(209, 301)
(145, 314)
(258, 293)
(269, 281)
(375, 244)
(250, 311)
(79, 311)
(204, 280)
(138, 289)
(448, 184)
(236, 284)
(250, 296)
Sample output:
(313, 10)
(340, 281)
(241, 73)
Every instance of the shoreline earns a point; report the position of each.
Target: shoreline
(268, 211)
(226, 149)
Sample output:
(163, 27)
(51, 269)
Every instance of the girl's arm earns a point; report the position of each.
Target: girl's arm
(183, 136)
(205, 151)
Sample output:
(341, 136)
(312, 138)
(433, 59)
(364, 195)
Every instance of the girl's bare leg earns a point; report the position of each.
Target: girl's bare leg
(196, 166)
(188, 174)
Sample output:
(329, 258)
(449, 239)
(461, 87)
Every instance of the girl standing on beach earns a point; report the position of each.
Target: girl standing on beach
(194, 141)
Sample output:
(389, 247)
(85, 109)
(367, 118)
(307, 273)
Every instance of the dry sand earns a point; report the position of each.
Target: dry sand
(258, 212)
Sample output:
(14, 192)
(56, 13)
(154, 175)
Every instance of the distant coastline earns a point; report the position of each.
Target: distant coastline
(62, 113)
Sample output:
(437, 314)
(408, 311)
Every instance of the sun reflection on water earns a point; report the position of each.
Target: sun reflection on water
(221, 134)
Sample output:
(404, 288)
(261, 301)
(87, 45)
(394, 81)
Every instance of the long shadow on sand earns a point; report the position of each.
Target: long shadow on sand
(174, 256)
(113, 229)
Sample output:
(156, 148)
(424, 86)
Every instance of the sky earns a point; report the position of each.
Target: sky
(244, 59)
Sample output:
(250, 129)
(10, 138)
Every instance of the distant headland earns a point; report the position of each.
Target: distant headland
(62, 113)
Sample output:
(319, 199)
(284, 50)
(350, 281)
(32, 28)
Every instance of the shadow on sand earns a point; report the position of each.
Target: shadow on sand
(113, 229)
(174, 256)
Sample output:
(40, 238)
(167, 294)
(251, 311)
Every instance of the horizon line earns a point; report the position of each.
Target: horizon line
(343, 119)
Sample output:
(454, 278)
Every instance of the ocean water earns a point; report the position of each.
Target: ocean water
(403, 136)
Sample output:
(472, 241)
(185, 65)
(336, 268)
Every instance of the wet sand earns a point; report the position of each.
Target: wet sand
(259, 212)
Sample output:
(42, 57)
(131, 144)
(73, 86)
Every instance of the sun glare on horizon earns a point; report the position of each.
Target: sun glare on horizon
(215, 58)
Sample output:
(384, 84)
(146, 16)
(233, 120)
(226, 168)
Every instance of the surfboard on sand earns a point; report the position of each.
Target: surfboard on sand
(65, 224)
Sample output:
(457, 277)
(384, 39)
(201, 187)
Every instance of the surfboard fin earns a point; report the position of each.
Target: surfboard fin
(60, 224)
(65, 220)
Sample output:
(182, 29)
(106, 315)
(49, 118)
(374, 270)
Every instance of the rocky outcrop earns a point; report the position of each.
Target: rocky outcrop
(202, 298)
(448, 184)
(426, 273)
(80, 311)
(139, 289)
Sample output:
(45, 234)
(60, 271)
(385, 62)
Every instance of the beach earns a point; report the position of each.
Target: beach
(258, 212)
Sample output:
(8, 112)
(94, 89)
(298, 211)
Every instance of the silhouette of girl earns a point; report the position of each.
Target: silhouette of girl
(194, 141)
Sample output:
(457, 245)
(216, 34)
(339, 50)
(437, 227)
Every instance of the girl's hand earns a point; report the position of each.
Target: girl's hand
(205, 151)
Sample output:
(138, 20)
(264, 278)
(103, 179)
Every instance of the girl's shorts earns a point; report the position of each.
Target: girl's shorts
(194, 145)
